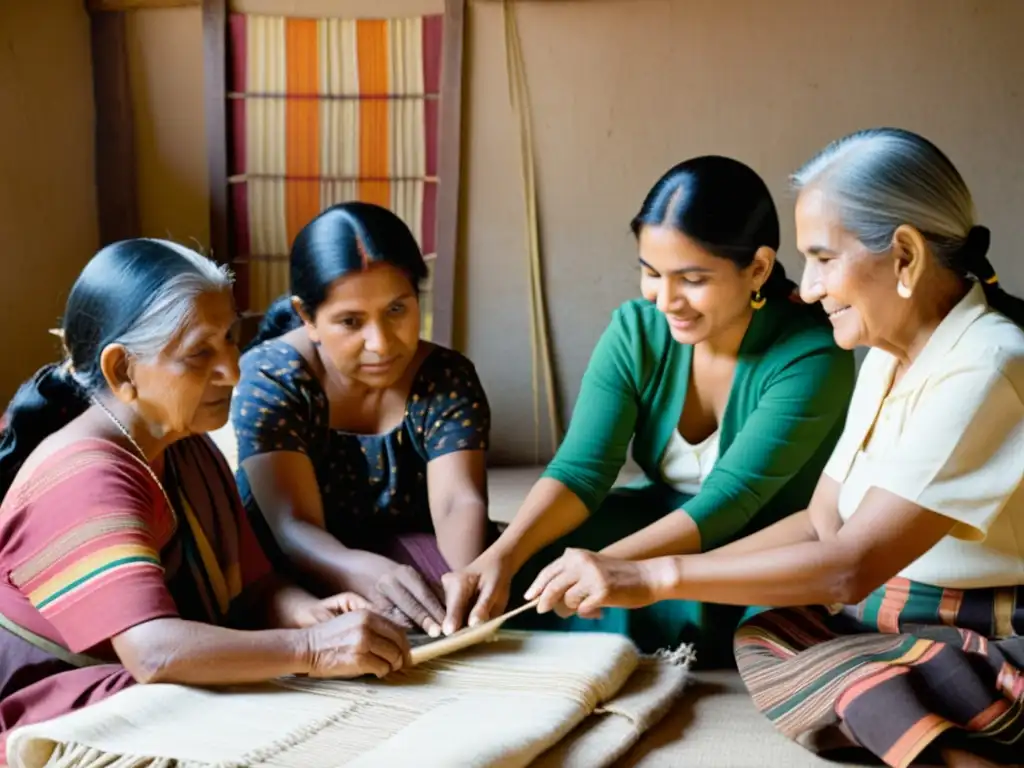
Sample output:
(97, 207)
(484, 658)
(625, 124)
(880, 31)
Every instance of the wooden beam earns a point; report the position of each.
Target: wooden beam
(102, 6)
(215, 57)
(116, 178)
(449, 171)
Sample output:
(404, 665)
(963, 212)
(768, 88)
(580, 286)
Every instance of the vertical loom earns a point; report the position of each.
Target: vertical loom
(325, 110)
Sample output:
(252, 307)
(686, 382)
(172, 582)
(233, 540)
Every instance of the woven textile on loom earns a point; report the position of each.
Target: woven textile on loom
(323, 111)
(539, 699)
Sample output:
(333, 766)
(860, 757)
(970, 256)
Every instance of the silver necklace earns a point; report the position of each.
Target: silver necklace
(141, 458)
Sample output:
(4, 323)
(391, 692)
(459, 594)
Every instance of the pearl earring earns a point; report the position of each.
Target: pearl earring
(903, 291)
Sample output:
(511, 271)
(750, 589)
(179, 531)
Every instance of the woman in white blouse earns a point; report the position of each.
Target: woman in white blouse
(911, 553)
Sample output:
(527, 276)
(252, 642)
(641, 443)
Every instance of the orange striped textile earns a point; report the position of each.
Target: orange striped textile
(322, 111)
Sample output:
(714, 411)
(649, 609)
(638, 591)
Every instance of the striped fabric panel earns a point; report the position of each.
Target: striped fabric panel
(67, 554)
(994, 613)
(324, 111)
(91, 569)
(909, 663)
(66, 545)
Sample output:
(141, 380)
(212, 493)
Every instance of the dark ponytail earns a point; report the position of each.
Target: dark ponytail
(971, 260)
(725, 207)
(137, 293)
(778, 285)
(40, 407)
(279, 318)
(345, 238)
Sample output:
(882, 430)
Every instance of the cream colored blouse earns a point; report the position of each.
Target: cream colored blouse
(949, 436)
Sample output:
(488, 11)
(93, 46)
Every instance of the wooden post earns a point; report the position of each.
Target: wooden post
(449, 172)
(116, 181)
(111, 6)
(215, 54)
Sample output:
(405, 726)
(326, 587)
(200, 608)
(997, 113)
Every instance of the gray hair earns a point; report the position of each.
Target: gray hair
(883, 178)
(169, 310)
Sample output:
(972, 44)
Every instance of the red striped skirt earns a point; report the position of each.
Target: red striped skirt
(912, 667)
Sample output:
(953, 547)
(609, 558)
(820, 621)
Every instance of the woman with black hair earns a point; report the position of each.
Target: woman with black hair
(125, 554)
(897, 595)
(361, 447)
(731, 392)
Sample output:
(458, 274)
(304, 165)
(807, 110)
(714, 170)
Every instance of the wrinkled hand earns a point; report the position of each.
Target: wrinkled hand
(585, 582)
(354, 644)
(329, 608)
(406, 598)
(481, 589)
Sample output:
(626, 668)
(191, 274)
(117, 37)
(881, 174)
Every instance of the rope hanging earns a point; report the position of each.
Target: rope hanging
(540, 353)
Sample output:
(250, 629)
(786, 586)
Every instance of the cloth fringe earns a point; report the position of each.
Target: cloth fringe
(684, 655)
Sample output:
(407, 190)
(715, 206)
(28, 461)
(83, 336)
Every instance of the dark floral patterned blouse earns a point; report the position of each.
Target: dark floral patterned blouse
(373, 487)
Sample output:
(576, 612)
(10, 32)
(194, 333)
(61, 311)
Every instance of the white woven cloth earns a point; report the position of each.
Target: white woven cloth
(527, 698)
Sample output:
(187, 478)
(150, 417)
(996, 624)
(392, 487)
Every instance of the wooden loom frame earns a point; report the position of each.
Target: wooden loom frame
(116, 180)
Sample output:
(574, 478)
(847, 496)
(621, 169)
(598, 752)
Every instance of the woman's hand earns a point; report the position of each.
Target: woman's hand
(354, 644)
(481, 589)
(406, 598)
(585, 582)
(319, 611)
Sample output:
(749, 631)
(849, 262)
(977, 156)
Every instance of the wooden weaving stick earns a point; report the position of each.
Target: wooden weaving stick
(467, 637)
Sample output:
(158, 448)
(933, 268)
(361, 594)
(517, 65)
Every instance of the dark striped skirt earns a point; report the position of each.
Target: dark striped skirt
(911, 668)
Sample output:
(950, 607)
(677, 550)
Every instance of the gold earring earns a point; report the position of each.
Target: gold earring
(757, 302)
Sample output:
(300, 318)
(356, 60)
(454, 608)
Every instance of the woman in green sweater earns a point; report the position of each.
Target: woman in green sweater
(731, 392)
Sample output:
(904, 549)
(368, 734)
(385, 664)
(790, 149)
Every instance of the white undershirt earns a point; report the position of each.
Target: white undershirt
(684, 467)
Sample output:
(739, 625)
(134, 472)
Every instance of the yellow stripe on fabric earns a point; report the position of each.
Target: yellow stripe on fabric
(266, 153)
(91, 565)
(328, 76)
(339, 118)
(407, 130)
(225, 586)
(417, 124)
(913, 654)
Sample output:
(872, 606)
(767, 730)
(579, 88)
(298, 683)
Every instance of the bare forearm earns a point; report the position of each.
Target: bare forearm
(550, 511)
(273, 603)
(809, 573)
(191, 653)
(674, 534)
(462, 532)
(795, 529)
(327, 562)
(288, 606)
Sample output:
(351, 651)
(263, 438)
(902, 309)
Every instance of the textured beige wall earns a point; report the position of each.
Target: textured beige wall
(165, 54)
(48, 224)
(621, 89)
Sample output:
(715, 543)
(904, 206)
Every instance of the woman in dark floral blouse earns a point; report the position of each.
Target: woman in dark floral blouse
(362, 448)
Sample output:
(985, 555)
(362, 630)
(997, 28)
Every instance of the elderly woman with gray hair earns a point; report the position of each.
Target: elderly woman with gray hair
(125, 553)
(910, 554)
